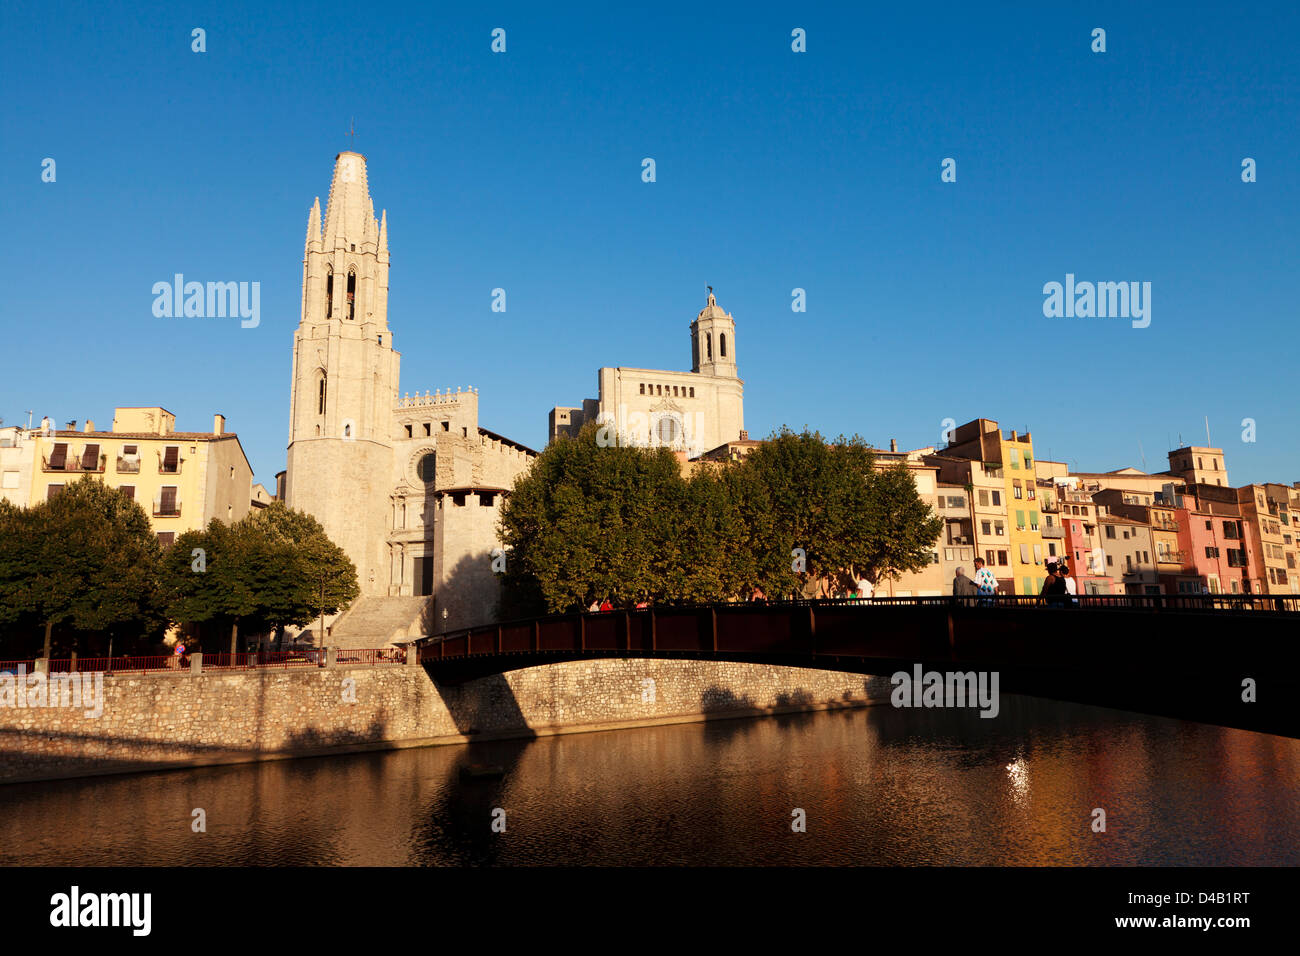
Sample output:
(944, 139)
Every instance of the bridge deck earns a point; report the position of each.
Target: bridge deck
(1172, 655)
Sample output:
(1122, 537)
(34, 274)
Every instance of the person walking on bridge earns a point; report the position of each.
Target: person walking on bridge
(985, 582)
(1054, 590)
(962, 586)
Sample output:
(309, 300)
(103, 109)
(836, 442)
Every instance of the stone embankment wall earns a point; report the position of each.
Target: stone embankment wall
(172, 720)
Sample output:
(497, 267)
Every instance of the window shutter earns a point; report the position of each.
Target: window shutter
(59, 457)
(171, 455)
(90, 458)
(1024, 553)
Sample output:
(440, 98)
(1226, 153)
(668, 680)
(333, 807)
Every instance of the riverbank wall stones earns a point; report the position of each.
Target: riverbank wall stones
(164, 721)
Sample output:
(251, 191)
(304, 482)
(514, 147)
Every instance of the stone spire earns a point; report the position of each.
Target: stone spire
(313, 226)
(383, 235)
(350, 213)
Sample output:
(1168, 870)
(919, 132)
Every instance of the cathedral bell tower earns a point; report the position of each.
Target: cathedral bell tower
(713, 341)
(345, 375)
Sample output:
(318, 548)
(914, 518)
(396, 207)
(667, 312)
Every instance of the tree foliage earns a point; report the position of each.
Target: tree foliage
(85, 560)
(271, 569)
(589, 522)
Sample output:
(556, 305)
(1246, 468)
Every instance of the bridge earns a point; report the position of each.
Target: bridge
(1171, 655)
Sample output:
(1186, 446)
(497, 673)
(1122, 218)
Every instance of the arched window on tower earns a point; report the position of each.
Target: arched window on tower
(352, 296)
(708, 343)
(321, 409)
(329, 293)
(722, 341)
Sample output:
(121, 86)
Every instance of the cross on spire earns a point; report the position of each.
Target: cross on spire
(352, 132)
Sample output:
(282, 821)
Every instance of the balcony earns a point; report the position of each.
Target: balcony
(1053, 531)
(166, 509)
(74, 465)
(166, 467)
(1165, 525)
(1172, 557)
(128, 466)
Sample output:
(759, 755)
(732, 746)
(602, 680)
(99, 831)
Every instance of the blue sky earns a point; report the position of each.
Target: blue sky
(775, 170)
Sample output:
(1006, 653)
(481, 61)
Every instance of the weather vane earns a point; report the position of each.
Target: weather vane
(352, 131)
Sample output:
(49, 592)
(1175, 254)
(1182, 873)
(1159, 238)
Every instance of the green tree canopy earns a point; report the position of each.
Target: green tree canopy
(86, 560)
(590, 521)
(271, 569)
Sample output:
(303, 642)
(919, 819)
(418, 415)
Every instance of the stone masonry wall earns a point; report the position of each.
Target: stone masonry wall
(170, 720)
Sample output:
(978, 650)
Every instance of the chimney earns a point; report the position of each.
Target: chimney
(89, 427)
(218, 424)
(893, 444)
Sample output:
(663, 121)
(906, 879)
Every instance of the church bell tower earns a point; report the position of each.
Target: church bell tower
(345, 375)
(713, 341)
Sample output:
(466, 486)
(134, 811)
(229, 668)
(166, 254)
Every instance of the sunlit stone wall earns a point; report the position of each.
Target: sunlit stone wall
(168, 720)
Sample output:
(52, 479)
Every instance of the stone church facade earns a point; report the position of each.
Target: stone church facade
(693, 412)
(410, 487)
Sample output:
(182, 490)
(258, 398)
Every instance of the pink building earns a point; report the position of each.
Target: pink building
(1220, 543)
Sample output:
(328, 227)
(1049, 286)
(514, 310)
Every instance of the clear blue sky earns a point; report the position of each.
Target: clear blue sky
(775, 170)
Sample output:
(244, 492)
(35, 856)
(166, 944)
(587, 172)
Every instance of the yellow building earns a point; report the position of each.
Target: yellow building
(1005, 460)
(182, 479)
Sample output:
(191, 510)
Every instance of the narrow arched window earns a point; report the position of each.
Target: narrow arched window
(352, 295)
(329, 293)
(708, 342)
(722, 341)
(321, 409)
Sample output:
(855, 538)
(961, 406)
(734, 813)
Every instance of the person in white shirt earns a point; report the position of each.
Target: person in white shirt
(865, 588)
(1070, 587)
(985, 581)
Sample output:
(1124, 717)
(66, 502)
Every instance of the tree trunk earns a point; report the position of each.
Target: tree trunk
(49, 628)
(234, 638)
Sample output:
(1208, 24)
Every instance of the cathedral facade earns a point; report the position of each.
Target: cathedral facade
(409, 486)
(693, 412)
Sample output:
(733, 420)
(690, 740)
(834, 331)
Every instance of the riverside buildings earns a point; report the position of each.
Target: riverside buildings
(182, 479)
(1181, 531)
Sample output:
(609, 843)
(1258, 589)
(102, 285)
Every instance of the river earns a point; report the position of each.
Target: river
(876, 786)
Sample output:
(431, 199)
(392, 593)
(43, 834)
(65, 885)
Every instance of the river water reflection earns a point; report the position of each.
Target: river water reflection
(878, 785)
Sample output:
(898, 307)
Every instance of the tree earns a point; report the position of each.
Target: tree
(817, 494)
(264, 572)
(324, 578)
(86, 559)
(589, 522)
(724, 542)
(902, 528)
